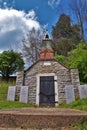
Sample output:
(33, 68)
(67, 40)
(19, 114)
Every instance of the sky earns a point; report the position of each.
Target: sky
(17, 17)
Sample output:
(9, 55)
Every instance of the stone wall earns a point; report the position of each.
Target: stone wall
(64, 77)
(19, 82)
(37, 118)
(62, 73)
(75, 80)
(63, 80)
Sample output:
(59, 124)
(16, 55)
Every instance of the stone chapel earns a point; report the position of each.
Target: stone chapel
(46, 79)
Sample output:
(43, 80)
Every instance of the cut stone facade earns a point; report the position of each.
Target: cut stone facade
(47, 68)
(19, 82)
(63, 75)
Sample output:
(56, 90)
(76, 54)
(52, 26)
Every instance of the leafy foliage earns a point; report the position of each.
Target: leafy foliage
(62, 27)
(77, 58)
(65, 35)
(61, 59)
(10, 62)
(63, 47)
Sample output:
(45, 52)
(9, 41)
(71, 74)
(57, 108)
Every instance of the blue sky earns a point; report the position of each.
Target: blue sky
(46, 10)
(19, 16)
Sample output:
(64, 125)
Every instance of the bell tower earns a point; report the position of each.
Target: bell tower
(47, 52)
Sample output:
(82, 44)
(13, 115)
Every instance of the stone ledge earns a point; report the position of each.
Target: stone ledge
(44, 118)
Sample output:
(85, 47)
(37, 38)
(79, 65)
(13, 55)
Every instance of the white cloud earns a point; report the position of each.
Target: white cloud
(31, 14)
(53, 3)
(14, 25)
(7, 4)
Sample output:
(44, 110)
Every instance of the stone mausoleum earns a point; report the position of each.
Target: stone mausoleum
(46, 79)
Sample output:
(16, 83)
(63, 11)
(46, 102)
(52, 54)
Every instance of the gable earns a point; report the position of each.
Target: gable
(50, 64)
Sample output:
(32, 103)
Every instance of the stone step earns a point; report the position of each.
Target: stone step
(40, 117)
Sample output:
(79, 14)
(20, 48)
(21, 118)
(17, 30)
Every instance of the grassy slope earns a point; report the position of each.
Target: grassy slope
(11, 104)
(80, 104)
(4, 104)
(4, 88)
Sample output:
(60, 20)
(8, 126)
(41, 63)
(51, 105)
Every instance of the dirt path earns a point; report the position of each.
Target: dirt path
(44, 111)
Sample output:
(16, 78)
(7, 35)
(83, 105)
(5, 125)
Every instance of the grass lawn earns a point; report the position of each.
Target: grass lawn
(80, 104)
(10, 104)
(4, 104)
(4, 89)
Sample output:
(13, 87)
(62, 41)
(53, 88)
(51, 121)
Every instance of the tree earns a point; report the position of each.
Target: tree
(10, 62)
(77, 58)
(32, 44)
(80, 11)
(62, 28)
(63, 47)
(65, 36)
(61, 59)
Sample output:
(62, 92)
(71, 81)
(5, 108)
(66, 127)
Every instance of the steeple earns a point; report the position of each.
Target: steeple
(47, 52)
(47, 36)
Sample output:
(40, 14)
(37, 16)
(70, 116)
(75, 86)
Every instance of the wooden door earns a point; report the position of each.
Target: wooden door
(47, 92)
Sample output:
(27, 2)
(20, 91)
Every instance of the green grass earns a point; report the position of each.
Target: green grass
(4, 89)
(3, 93)
(4, 104)
(6, 84)
(82, 124)
(80, 104)
(14, 104)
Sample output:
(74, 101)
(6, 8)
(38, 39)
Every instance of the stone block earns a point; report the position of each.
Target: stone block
(82, 91)
(69, 92)
(23, 94)
(11, 93)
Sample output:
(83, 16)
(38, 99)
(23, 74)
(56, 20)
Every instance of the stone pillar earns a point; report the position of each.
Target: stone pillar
(75, 81)
(19, 83)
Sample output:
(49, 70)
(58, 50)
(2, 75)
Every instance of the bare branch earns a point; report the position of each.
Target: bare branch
(32, 44)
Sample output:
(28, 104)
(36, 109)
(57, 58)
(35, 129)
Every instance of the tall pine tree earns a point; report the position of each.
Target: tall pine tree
(65, 35)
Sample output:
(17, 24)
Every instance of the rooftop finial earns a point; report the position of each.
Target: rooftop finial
(46, 35)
